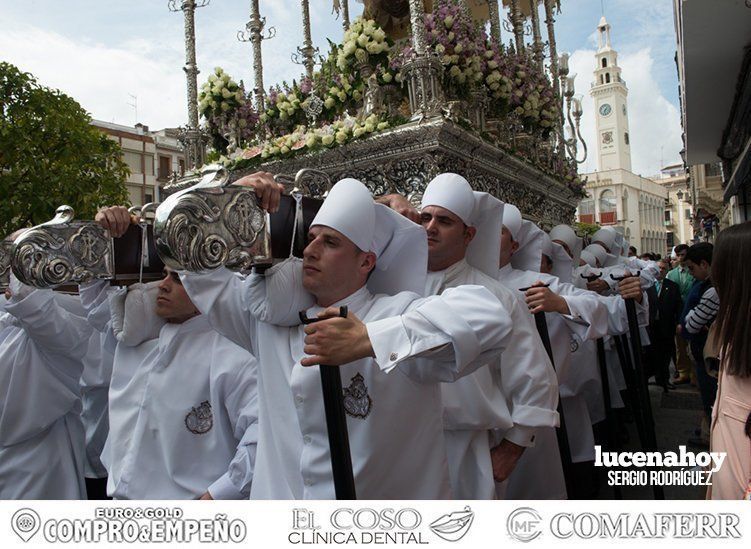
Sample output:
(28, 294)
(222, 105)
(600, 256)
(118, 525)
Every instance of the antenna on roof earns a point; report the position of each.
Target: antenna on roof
(134, 105)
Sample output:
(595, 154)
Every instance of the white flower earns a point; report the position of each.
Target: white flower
(349, 47)
(448, 21)
(458, 48)
(379, 35)
(362, 40)
(387, 77)
(226, 94)
(327, 140)
(329, 102)
(361, 55)
(382, 126)
(369, 127)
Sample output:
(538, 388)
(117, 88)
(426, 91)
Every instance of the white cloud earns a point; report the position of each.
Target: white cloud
(654, 122)
(100, 77)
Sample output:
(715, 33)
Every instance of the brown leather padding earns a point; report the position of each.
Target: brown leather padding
(128, 257)
(282, 224)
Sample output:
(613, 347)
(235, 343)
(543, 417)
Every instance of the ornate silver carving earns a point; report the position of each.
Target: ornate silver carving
(211, 224)
(517, 21)
(404, 159)
(537, 47)
(62, 251)
(313, 109)
(6, 251)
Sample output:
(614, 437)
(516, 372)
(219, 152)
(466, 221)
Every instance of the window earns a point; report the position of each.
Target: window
(164, 168)
(607, 207)
(601, 80)
(607, 78)
(713, 169)
(668, 217)
(604, 62)
(687, 213)
(148, 162)
(182, 167)
(148, 198)
(625, 136)
(133, 160)
(587, 210)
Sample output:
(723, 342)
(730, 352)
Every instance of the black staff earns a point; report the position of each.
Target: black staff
(641, 383)
(561, 432)
(336, 423)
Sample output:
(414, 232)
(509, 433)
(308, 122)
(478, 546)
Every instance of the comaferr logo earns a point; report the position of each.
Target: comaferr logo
(524, 524)
(641, 525)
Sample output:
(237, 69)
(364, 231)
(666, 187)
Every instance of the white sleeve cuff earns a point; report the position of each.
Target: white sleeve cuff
(521, 435)
(223, 488)
(390, 342)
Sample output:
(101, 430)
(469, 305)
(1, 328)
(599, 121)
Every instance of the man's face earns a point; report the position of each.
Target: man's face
(172, 302)
(664, 266)
(448, 237)
(681, 257)
(333, 267)
(700, 271)
(508, 246)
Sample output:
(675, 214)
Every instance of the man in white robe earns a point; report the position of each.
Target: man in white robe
(393, 348)
(568, 311)
(42, 345)
(495, 411)
(183, 414)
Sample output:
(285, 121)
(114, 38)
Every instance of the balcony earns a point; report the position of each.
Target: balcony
(608, 218)
(587, 218)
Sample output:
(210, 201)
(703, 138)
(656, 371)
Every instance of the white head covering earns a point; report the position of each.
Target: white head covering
(475, 209)
(563, 265)
(607, 236)
(566, 234)
(400, 245)
(598, 252)
(531, 241)
(588, 258)
(512, 220)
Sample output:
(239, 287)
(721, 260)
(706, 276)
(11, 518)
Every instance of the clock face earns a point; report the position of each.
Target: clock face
(605, 109)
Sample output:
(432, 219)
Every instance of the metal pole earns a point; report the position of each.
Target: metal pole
(537, 47)
(417, 22)
(495, 20)
(336, 424)
(255, 26)
(345, 14)
(561, 432)
(517, 22)
(609, 417)
(307, 50)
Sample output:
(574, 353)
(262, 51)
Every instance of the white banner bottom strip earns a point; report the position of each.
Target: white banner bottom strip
(271, 524)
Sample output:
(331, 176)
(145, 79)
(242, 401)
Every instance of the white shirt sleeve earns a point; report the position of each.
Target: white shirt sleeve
(225, 298)
(444, 337)
(50, 326)
(241, 403)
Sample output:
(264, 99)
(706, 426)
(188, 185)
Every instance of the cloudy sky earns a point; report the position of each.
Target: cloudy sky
(104, 52)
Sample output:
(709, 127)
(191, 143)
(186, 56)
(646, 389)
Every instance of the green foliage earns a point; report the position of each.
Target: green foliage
(50, 155)
(586, 229)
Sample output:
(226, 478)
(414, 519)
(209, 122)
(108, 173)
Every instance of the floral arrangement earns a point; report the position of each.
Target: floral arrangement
(303, 140)
(459, 44)
(365, 43)
(228, 111)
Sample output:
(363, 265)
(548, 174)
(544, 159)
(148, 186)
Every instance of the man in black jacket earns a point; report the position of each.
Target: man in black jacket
(662, 328)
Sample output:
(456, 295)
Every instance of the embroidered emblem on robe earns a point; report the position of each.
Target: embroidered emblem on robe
(357, 401)
(574, 344)
(200, 420)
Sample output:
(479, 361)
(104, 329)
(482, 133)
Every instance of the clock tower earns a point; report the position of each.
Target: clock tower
(611, 112)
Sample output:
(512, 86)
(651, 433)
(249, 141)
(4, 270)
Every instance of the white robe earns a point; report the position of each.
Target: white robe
(508, 399)
(394, 409)
(182, 414)
(41, 435)
(95, 381)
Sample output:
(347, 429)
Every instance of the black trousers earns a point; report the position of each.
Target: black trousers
(658, 356)
(96, 488)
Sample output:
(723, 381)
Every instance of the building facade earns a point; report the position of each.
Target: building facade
(634, 205)
(152, 157)
(714, 75)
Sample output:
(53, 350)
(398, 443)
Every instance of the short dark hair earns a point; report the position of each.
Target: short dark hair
(632, 249)
(681, 248)
(700, 252)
